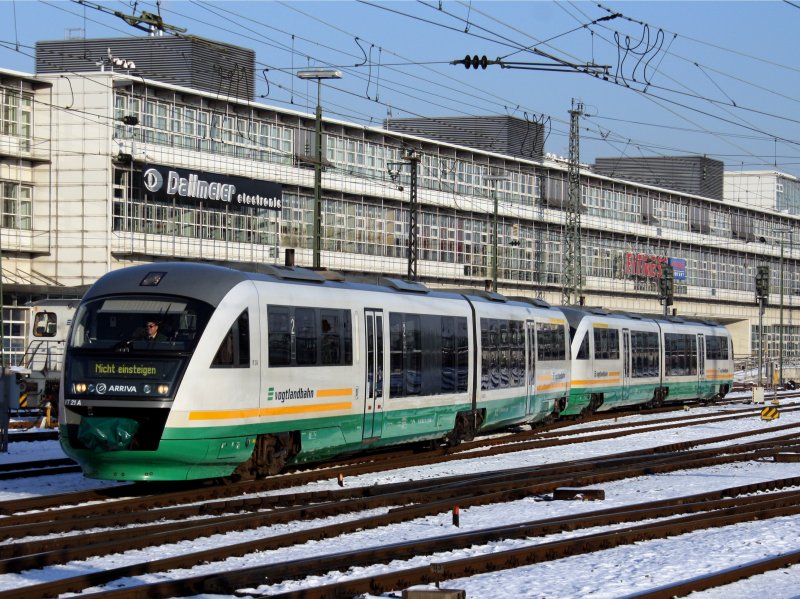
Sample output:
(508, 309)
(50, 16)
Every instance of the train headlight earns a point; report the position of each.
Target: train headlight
(79, 388)
(163, 389)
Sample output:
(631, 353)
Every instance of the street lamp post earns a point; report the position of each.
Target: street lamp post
(780, 338)
(495, 179)
(319, 75)
(782, 231)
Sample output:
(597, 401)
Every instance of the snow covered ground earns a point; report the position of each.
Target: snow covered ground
(607, 574)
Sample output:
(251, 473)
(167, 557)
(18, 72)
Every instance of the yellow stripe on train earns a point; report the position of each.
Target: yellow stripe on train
(261, 412)
(592, 382)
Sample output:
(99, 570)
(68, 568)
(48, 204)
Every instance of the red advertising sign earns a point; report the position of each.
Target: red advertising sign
(644, 265)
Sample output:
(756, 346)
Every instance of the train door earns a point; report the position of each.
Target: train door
(373, 384)
(530, 366)
(626, 363)
(701, 363)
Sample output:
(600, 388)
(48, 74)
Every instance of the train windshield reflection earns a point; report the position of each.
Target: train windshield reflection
(133, 323)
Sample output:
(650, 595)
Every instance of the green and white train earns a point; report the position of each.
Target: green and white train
(627, 359)
(253, 371)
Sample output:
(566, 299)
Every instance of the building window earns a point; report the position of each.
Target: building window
(14, 326)
(16, 114)
(192, 127)
(16, 200)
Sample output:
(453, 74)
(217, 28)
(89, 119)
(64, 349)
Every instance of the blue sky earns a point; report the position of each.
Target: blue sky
(685, 78)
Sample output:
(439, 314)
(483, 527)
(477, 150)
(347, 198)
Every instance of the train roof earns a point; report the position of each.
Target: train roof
(575, 315)
(211, 282)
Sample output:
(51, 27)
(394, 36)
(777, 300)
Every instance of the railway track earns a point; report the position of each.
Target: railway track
(51, 467)
(715, 513)
(154, 494)
(27, 437)
(429, 497)
(716, 579)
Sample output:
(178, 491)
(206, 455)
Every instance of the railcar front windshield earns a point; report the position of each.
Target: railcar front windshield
(132, 323)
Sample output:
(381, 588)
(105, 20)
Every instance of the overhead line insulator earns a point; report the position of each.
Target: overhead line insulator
(474, 61)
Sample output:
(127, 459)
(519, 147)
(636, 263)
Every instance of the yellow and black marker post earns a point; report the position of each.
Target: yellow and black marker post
(770, 413)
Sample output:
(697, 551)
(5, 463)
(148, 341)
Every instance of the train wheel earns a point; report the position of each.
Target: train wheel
(466, 427)
(658, 398)
(595, 402)
(270, 455)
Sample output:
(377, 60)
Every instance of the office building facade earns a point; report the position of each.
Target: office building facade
(103, 169)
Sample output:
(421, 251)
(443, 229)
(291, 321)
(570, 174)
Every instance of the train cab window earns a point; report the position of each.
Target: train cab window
(118, 323)
(45, 324)
(234, 351)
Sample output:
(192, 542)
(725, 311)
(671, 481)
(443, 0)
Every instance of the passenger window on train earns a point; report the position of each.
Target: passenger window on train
(680, 354)
(331, 339)
(644, 354)
(305, 336)
(550, 342)
(583, 350)
(44, 324)
(606, 344)
(427, 354)
(309, 336)
(280, 336)
(234, 351)
(716, 347)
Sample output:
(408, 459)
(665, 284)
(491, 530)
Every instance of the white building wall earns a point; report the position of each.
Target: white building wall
(81, 179)
(752, 188)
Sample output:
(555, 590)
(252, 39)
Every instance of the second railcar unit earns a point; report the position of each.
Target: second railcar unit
(621, 359)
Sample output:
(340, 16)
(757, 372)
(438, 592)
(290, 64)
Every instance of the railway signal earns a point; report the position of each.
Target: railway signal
(762, 283)
(666, 285)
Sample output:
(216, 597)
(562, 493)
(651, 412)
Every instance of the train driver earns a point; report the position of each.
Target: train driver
(152, 332)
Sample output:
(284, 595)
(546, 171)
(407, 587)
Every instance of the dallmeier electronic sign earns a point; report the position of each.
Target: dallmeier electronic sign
(185, 186)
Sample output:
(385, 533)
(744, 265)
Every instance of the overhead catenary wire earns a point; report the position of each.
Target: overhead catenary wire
(771, 136)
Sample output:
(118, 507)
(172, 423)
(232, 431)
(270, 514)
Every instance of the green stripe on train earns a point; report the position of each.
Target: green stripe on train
(215, 451)
(619, 396)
